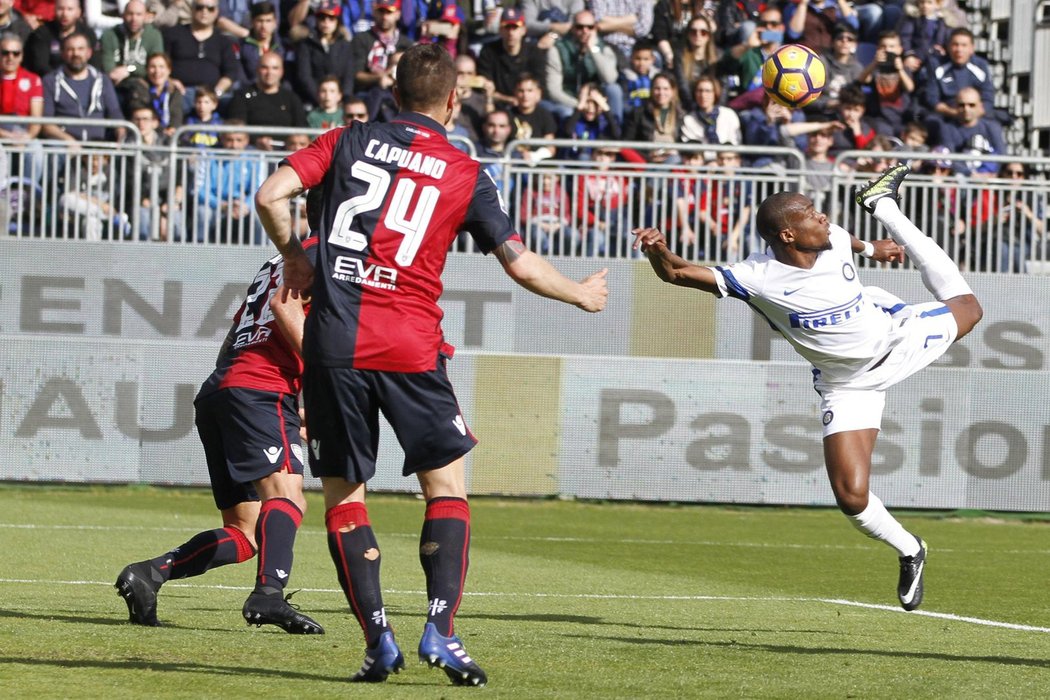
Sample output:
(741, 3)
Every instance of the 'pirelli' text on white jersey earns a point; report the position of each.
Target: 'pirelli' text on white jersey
(825, 313)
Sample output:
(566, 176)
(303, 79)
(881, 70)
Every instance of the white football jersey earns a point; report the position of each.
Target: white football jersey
(830, 319)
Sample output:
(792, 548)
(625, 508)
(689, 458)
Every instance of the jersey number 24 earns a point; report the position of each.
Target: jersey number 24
(397, 218)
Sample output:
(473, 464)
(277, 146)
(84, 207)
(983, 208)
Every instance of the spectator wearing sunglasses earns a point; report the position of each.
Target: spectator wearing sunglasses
(21, 92)
(974, 133)
(579, 59)
(355, 110)
(200, 55)
(697, 56)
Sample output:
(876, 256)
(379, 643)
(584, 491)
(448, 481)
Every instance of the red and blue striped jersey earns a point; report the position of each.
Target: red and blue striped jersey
(396, 195)
(255, 354)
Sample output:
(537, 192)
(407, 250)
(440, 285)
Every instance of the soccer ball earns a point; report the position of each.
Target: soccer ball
(794, 76)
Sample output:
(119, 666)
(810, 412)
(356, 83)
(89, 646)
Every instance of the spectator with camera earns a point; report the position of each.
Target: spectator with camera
(741, 65)
(890, 101)
(503, 62)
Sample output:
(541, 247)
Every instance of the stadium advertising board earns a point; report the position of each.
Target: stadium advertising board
(104, 347)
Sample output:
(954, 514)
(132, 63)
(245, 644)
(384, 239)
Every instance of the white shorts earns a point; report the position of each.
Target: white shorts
(924, 332)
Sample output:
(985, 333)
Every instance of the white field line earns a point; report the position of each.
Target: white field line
(480, 539)
(599, 596)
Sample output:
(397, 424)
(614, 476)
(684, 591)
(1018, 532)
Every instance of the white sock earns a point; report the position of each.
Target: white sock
(939, 272)
(877, 523)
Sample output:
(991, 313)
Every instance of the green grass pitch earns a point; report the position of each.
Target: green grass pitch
(565, 600)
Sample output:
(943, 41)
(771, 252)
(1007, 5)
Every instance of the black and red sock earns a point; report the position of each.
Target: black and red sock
(355, 552)
(444, 549)
(279, 520)
(205, 551)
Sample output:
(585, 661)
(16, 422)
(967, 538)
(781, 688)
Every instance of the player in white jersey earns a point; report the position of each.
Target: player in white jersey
(860, 340)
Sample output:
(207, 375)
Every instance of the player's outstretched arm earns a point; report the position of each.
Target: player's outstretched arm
(539, 277)
(272, 203)
(672, 268)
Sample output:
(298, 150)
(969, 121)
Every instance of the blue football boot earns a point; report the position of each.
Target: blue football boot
(382, 660)
(448, 654)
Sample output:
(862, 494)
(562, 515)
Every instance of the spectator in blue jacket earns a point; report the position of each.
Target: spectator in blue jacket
(224, 199)
(973, 132)
(960, 69)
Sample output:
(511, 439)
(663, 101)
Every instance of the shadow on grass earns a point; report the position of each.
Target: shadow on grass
(822, 651)
(118, 619)
(585, 620)
(168, 667)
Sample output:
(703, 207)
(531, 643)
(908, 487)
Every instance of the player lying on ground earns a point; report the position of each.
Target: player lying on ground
(248, 420)
(860, 340)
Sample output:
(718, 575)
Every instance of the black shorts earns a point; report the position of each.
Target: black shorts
(247, 435)
(342, 418)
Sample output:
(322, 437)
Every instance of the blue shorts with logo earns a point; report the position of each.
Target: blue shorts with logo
(342, 415)
(247, 435)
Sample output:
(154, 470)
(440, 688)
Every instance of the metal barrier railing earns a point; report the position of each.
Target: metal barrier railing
(561, 206)
(984, 222)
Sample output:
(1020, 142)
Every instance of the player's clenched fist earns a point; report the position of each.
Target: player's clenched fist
(595, 291)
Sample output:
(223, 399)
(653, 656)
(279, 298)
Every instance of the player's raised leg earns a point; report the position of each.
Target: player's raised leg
(278, 522)
(355, 553)
(139, 583)
(847, 456)
(444, 553)
(939, 272)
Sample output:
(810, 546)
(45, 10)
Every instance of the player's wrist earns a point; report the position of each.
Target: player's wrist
(868, 251)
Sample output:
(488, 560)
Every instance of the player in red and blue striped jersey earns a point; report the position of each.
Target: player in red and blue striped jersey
(396, 195)
(247, 416)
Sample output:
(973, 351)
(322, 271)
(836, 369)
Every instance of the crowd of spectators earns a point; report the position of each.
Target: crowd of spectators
(663, 71)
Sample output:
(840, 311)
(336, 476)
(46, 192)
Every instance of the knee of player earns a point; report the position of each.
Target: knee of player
(852, 498)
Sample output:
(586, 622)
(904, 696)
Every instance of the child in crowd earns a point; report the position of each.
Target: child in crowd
(205, 111)
(637, 81)
(329, 111)
(924, 37)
